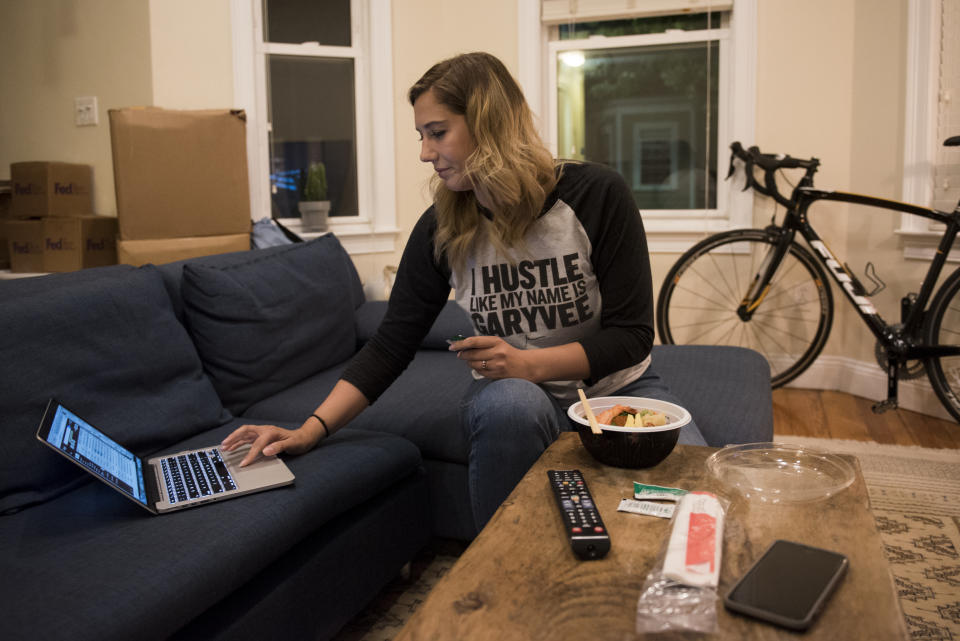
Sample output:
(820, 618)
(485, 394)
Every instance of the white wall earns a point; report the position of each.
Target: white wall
(191, 54)
(54, 51)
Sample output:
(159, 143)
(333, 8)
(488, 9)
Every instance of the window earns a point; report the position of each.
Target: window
(930, 170)
(657, 91)
(308, 73)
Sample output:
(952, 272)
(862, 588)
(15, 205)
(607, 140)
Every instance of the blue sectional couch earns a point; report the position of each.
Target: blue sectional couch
(178, 355)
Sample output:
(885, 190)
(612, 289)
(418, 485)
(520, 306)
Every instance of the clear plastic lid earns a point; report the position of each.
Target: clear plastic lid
(781, 472)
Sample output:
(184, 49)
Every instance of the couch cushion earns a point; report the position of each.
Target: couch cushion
(264, 320)
(422, 405)
(726, 389)
(106, 343)
(451, 321)
(126, 574)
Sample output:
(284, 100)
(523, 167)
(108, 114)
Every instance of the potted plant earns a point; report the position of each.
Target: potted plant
(314, 206)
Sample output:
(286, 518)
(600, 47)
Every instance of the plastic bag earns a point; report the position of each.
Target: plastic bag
(267, 232)
(680, 593)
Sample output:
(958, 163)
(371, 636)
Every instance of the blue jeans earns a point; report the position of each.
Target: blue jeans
(508, 424)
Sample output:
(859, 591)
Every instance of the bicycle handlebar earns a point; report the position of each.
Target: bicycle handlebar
(770, 164)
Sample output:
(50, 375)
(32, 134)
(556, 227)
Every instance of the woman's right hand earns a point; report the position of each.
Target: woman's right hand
(269, 440)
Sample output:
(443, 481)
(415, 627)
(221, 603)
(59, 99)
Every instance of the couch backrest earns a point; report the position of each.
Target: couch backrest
(266, 319)
(107, 344)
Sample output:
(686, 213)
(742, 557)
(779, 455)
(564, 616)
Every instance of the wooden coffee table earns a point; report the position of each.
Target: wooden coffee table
(520, 580)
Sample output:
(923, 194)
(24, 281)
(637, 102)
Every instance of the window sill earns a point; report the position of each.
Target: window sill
(666, 236)
(357, 237)
(922, 245)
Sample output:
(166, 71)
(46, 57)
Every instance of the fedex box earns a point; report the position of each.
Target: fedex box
(180, 173)
(76, 243)
(25, 244)
(51, 189)
(4, 213)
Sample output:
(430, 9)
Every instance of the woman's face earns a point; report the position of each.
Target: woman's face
(445, 141)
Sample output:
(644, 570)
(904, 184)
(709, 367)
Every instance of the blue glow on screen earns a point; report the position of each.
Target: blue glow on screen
(97, 452)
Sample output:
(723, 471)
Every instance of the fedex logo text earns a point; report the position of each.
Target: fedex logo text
(23, 248)
(59, 244)
(27, 189)
(862, 302)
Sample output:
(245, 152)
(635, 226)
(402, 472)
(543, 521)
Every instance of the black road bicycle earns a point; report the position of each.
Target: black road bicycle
(759, 288)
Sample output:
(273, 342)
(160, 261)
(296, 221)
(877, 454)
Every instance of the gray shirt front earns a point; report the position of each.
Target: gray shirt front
(582, 275)
(547, 296)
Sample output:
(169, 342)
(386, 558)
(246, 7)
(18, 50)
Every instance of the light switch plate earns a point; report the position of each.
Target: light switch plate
(85, 111)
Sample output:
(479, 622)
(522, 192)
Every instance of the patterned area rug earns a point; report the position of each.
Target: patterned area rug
(915, 498)
(914, 495)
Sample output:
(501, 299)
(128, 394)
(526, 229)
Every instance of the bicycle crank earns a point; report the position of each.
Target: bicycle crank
(907, 371)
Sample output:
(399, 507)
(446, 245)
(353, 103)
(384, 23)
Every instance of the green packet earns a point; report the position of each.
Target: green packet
(657, 492)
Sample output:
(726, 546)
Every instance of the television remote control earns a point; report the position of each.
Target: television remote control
(585, 529)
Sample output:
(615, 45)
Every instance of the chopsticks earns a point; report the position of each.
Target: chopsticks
(588, 411)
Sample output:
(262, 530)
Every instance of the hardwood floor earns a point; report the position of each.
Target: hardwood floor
(828, 414)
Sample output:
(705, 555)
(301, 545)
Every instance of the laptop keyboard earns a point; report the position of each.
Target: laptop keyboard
(194, 475)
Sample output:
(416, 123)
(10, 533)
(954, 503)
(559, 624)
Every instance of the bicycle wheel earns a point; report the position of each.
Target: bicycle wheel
(942, 327)
(700, 295)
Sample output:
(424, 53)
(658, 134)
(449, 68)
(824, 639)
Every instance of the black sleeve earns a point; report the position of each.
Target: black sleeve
(622, 265)
(420, 291)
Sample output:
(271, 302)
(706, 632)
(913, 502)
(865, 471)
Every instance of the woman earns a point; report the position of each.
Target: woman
(550, 261)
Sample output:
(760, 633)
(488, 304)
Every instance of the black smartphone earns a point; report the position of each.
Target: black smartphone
(788, 585)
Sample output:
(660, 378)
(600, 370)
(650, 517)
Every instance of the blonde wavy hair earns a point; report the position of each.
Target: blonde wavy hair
(511, 167)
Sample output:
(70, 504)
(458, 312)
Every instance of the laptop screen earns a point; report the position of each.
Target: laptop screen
(97, 452)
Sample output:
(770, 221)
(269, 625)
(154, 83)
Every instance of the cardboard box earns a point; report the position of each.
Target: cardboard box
(79, 242)
(25, 243)
(180, 173)
(4, 213)
(51, 189)
(5, 197)
(168, 250)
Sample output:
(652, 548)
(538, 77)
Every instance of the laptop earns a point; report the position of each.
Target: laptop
(162, 483)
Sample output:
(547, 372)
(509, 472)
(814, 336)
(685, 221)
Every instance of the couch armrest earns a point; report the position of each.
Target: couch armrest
(451, 321)
(726, 390)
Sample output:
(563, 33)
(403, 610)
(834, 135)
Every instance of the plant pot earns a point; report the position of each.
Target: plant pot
(314, 214)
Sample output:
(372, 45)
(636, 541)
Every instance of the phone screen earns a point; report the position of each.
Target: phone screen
(788, 584)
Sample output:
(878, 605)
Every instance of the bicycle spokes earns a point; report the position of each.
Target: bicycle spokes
(733, 290)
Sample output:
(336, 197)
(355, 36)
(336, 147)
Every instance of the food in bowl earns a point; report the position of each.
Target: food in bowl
(626, 416)
(630, 447)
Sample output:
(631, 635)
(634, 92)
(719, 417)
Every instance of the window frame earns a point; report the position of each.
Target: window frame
(921, 111)
(375, 228)
(668, 231)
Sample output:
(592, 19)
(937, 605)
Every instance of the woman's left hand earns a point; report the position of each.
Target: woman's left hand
(493, 357)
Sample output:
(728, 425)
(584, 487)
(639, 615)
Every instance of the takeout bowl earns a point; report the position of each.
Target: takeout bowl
(629, 447)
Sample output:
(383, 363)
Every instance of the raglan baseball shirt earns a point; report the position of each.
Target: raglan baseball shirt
(582, 275)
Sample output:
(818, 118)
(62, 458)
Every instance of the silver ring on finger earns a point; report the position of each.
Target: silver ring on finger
(483, 364)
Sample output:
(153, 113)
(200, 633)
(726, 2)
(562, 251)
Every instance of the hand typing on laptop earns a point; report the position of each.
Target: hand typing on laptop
(344, 402)
(270, 440)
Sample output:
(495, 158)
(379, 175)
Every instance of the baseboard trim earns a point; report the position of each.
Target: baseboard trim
(867, 380)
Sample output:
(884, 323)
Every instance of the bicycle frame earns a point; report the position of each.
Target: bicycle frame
(896, 341)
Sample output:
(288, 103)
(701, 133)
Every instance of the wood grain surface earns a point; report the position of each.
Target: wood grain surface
(520, 580)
